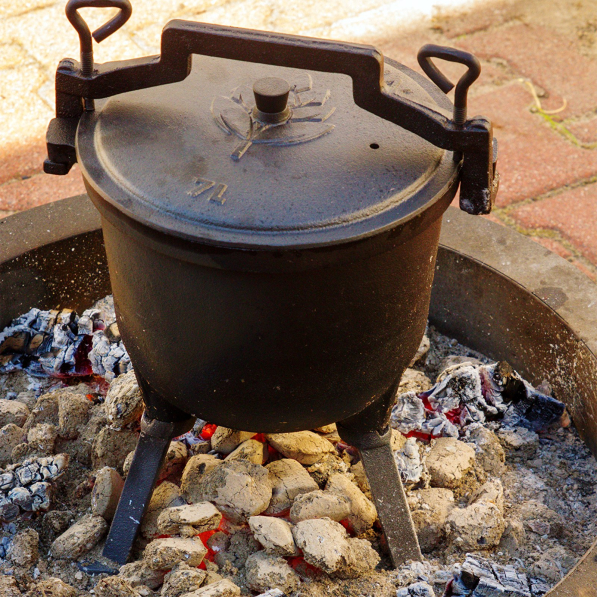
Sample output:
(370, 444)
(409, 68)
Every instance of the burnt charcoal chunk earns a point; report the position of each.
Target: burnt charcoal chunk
(543, 412)
(513, 386)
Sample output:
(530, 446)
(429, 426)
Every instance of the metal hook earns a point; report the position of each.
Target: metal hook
(429, 51)
(85, 35)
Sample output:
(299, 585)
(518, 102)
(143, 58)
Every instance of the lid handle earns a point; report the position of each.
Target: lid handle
(471, 140)
(85, 35)
(429, 51)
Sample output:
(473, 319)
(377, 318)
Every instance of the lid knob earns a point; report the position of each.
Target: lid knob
(271, 99)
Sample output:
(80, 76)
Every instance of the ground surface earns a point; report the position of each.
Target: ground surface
(538, 87)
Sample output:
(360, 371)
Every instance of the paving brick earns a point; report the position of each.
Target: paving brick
(11, 8)
(550, 60)
(573, 213)
(18, 195)
(533, 158)
(11, 55)
(477, 18)
(310, 17)
(150, 12)
(585, 131)
(19, 161)
(47, 36)
(23, 115)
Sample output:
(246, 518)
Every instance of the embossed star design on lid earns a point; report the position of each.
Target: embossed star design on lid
(252, 114)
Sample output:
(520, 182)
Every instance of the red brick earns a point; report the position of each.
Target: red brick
(21, 161)
(532, 157)
(549, 59)
(572, 213)
(585, 131)
(18, 195)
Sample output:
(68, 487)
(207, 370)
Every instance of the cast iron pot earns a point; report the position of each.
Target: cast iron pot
(281, 281)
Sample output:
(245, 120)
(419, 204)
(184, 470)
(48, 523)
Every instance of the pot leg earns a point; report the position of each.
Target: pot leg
(384, 478)
(147, 461)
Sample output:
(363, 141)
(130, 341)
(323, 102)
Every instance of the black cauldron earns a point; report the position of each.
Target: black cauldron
(271, 209)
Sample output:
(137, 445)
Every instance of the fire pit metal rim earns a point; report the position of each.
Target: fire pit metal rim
(533, 268)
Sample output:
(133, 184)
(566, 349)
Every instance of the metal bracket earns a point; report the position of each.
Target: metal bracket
(472, 176)
(388, 492)
(147, 461)
(473, 139)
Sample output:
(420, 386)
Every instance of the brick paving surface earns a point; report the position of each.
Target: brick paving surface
(580, 206)
(538, 85)
(533, 157)
(549, 60)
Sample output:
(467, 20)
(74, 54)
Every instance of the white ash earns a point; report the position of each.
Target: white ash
(80, 538)
(275, 534)
(164, 554)
(478, 577)
(180, 580)
(362, 514)
(61, 343)
(469, 393)
(408, 460)
(202, 517)
(288, 479)
(305, 446)
(124, 403)
(320, 504)
(417, 589)
(265, 571)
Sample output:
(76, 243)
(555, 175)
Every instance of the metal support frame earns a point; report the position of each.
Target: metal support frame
(389, 497)
(147, 461)
(370, 433)
(529, 296)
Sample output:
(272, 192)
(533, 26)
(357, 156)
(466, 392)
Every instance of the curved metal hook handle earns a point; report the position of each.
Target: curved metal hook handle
(429, 51)
(106, 29)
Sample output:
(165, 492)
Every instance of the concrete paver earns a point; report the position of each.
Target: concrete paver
(15, 8)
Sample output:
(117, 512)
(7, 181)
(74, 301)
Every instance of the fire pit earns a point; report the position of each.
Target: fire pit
(494, 291)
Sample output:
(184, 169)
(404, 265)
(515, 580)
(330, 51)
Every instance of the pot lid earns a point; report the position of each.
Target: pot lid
(252, 155)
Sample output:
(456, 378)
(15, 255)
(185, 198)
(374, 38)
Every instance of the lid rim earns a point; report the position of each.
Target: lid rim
(382, 208)
(305, 235)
